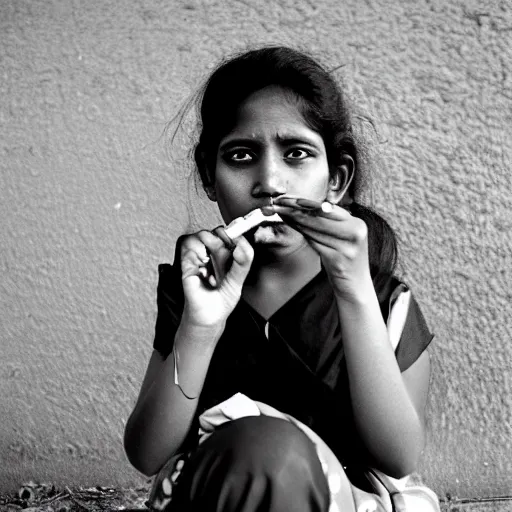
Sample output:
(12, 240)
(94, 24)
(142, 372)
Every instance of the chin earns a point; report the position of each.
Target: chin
(284, 242)
(269, 234)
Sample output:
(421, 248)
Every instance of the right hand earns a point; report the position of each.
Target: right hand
(208, 303)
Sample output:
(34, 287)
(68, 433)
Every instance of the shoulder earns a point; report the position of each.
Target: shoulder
(169, 281)
(169, 274)
(407, 327)
(167, 271)
(170, 302)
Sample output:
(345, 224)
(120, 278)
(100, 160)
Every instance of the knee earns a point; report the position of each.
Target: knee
(268, 438)
(260, 460)
(270, 446)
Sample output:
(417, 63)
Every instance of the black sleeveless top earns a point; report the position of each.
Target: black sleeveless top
(294, 362)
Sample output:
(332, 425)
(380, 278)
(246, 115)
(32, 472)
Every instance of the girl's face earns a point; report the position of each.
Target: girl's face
(270, 151)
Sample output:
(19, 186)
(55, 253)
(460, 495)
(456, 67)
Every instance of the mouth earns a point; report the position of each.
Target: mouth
(255, 218)
(267, 233)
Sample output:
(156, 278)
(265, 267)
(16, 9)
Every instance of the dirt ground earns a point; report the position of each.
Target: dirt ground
(33, 497)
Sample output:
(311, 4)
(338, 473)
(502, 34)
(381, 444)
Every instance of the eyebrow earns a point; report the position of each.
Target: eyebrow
(245, 142)
(284, 139)
(291, 138)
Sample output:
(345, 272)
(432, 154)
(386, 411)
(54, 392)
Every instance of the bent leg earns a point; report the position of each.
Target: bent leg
(254, 464)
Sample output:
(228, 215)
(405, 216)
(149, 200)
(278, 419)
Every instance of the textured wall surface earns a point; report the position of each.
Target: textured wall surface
(90, 204)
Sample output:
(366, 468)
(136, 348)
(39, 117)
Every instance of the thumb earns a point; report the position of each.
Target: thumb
(243, 256)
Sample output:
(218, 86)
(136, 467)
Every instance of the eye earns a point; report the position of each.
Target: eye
(297, 154)
(238, 156)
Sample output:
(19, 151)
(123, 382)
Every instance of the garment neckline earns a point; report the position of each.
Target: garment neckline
(293, 299)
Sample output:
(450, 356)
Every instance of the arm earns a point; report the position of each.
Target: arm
(388, 406)
(162, 416)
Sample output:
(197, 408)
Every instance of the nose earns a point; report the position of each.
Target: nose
(271, 178)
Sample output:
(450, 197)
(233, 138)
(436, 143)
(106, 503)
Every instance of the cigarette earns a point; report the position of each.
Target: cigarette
(308, 205)
(327, 207)
(243, 224)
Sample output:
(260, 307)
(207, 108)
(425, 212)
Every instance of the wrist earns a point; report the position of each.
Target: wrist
(202, 333)
(360, 312)
(357, 293)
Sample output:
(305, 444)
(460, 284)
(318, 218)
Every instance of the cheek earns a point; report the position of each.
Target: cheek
(316, 186)
(227, 187)
(231, 196)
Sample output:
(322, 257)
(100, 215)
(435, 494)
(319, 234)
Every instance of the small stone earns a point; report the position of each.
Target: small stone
(26, 494)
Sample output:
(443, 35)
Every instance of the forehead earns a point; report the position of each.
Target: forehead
(271, 111)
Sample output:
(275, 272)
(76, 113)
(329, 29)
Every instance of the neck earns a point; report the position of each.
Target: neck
(303, 262)
(275, 279)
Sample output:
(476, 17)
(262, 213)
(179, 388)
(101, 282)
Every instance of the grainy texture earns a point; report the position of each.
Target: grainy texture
(90, 204)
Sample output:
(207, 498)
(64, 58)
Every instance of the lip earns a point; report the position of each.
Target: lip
(268, 234)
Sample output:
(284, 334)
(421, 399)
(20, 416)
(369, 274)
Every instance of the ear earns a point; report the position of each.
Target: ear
(208, 183)
(207, 177)
(210, 192)
(341, 179)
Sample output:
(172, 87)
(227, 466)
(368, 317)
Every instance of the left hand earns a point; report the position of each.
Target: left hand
(340, 239)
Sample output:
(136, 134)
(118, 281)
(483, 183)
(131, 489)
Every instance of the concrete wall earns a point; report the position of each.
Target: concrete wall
(90, 204)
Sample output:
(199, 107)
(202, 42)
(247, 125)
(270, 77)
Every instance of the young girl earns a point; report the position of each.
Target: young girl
(275, 346)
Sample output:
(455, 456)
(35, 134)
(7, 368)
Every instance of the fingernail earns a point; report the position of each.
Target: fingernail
(308, 203)
(285, 201)
(267, 210)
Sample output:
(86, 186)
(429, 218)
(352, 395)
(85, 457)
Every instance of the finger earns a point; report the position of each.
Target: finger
(333, 223)
(322, 239)
(193, 258)
(356, 236)
(205, 255)
(215, 247)
(315, 209)
(191, 244)
(243, 256)
(192, 267)
(305, 204)
(220, 256)
(220, 231)
(213, 244)
(301, 204)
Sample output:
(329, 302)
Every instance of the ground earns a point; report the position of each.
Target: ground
(33, 497)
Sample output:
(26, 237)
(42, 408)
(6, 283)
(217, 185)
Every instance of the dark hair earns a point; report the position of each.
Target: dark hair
(323, 107)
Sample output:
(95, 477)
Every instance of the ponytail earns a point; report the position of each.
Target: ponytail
(382, 245)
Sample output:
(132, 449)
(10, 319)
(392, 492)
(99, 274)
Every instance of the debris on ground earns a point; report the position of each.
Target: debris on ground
(37, 497)
(34, 497)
